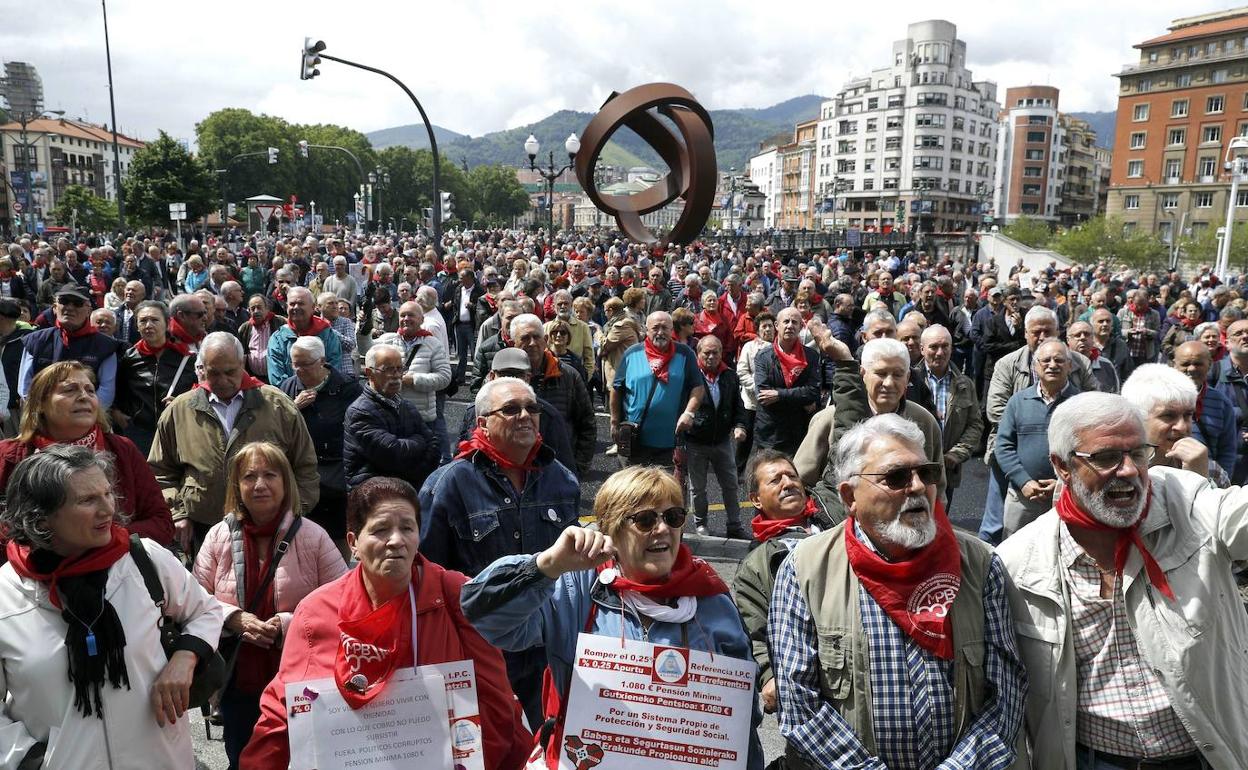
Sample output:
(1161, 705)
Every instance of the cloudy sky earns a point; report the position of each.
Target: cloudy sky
(484, 65)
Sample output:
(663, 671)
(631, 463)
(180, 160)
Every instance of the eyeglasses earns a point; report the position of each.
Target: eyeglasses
(514, 410)
(388, 371)
(899, 478)
(1110, 460)
(645, 521)
(71, 301)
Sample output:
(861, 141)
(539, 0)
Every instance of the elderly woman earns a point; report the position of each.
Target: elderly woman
(1209, 334)
(1166, 400)
(87, 683)
(196, 274)
(1181, 326)
(632, 578)
(153, 372)
(559, 334)
(63, 409)
(372, 605)
(117, 297)
(261, 505)
(716, 320)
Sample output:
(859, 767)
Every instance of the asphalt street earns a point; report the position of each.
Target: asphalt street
(966, 512)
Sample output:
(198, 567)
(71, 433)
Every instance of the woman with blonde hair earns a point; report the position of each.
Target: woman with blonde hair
(257, 580)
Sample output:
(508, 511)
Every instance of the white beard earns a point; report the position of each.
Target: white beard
(1098, 507)
(903, 535)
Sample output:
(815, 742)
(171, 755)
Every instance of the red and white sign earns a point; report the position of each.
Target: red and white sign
(266, 211)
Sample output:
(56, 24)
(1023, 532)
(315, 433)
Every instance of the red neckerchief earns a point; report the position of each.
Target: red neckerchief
(918, 593)
(1219, 354)
(711, 377)
(262, 322)
(1094, 353)
(479, 442)
(765, 529)
(655, 289)
(1189, 323)
(256, 665)
(94, 439)
(706, 321)
(1200, 402)
(315, 326)
(93, 560)
(1139, 313)
(81, 331)
(419, 333)
(147, 350)
(552, 366)
(660, 360)
(791, 364)
(1069, 511)
(807, 315)
(372, 641)
(179, 333)
(690, 576)
(247, 383)
(490, 300)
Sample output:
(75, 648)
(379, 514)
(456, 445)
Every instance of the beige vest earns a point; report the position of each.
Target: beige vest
(830, 589)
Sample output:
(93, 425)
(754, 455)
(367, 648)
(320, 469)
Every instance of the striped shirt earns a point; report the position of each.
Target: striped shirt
(939, 386)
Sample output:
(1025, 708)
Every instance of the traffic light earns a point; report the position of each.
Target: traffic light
(428, 219)
(310, 58)
(448, 206)
(303, 148)
(272, 156)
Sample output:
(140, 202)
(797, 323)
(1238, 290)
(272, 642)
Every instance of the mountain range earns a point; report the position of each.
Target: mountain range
(1103, 124)
(737, 136)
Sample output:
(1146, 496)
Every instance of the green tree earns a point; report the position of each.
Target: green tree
(330, 177)
(411, 184)
(495, 196)
(1202, 246)
(1029, 231)
(161, 173)
(79, 205)
(227, 133)
(1102, 239)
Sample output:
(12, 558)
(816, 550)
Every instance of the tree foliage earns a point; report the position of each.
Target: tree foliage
(411, 184)
(1029, 231)
(1202, 246)
(78, 205)
(161, 173)
(494, 196)
(1102, 239)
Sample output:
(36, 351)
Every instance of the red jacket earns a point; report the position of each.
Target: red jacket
(138, 494)
(445, 636)
(745, 330)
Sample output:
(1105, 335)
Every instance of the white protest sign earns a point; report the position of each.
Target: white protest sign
(639, 706)
(465, 715)
(403, 727)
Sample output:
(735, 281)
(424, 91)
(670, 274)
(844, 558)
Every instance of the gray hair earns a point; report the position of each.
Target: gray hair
(1086, 411)
(311, 345)
(370, 357)
(153, 304)
(230, 286)
(851, 451)
(219, 340)
(486, 394)
(525, 319)
(1202, 328)
(884, 348)
(427, 296)
(1230, 313)
(39, 487)
(300, 290)
(1039, 314)
(879, 313)
(1153, 384)
(183, 302)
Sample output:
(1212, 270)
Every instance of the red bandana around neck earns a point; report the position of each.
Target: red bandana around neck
(791, 364)
(690, 576)
(1068, 510)
(315, 326)
(94, 439)
(711, 377)
(1094, 353)
(419, 333)
(248, 383)
(765, 529)
(372, 641)
(93, 560)
(660, 360)
(147, 350)
(479, 442)
(916, 594)
(81, 331)
(179, 333)
(251, 319)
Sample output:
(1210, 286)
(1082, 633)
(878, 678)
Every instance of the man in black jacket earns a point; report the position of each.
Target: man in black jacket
(787, 383)
(717, 424)
(459, 308)
(1005, 332)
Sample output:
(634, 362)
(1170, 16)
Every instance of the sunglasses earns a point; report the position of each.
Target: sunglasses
(645, 521)
(514, 409)
(899, 478)
(71, 301)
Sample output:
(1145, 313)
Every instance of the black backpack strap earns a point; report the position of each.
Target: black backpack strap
(278, 553)
(148, 570)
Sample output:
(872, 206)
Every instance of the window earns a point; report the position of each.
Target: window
(1211, 134)
(1032, 171)
(891, 164)
(1243, 129)
(1170, 201)
(960, 123)
(847, 127)
(1178, 108)
(873, 103)
(1037, 120)
(1241, 198)
(1140, 112)
(1152, 57)
(892, 123)
(896, 100)
(1215, 104)
(1177, 136)
(1034, 155)
(1219, 75)
(892, 143)
(959, 102)
(970, 147)
(1211, 48)
(845, 146)
(1204, 200)
(1207, 166)
(932, 97)
(1131, 202)
(955, 144)
(1173, 169)
(846, 166)
(1036, 136)
(873, 124)
(927, 161)
(1143, 85)
(1031, 189)
(1030, 208)
(868, 184)
(1135, 168)
(870, 145)
(868, 164)
(929, 119)
(930, 141)
(1184, 80)
(1137, 140)
(955, 165)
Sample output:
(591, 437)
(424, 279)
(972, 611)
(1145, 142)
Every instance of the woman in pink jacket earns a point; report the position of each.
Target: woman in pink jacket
(261, 502)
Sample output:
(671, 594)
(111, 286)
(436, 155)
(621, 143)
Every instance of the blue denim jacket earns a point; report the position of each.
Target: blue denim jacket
(472, 515)
(515, 607)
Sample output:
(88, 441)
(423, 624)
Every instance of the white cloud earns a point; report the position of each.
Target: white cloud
(483, 65)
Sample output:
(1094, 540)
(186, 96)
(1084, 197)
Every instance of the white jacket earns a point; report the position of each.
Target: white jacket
(39, 706)
(1198, 645)
(428, 372)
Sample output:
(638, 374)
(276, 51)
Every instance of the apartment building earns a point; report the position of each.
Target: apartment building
(785, 175)
(1031, 155)
(1081, 194)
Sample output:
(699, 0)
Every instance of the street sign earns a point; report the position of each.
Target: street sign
(177, 211)
(39, 227)
(266, 211)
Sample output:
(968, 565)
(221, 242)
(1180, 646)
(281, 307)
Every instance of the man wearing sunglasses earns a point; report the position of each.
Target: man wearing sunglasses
(71, 338)
(891, 636)
(1129, 619)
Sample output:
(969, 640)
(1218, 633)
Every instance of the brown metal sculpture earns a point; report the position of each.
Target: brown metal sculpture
(690, 156)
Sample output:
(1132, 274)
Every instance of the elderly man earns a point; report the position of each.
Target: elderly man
(1083, 340)
(1215, 424)
(880, 665)
(1111, 344)
(718, 426)
(582, 342)
(342, 283)
(878, 324)
(322, 395)
(884, 295)
(558, 383)
(1141, 327)
(127, 314)
(787, 381)
(908, 333)
(949, 396)
(300, 323)
(658, 298)
(1166, 400)
(1022, 449)
(1231, 378)
(508, 309)
(203, 429)
(426, 365)
(459, 310)
(105, 322)
(505, 493)
(656, 393)
(331, 310)
(785, 515)
(72, 338)
(1130, 622)
(188, 320)
(384, 434)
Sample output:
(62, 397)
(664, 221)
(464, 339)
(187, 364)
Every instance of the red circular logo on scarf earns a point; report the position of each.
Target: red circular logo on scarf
(934, 596)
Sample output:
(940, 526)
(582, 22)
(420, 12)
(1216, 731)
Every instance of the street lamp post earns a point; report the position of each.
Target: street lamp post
(732, 200)
(312, 206)
(112, 108)
(378, 179)
(550, 173)
(1237, 165)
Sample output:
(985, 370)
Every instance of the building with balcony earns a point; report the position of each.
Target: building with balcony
(1031, 155)
(1178, 107)
(919, 134)
(1082, 193)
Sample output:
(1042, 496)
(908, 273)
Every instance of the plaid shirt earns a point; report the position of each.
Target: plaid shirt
(1137, 344)
(911, 689)
(939, 386)
(346, 335)
(1122, 707)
